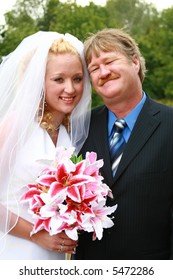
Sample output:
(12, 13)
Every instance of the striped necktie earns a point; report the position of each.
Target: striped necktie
(117, 144)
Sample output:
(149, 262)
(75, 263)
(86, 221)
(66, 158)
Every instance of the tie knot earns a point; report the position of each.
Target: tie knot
(119, 125)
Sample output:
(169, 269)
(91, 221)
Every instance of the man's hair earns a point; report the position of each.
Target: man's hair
(112, 39)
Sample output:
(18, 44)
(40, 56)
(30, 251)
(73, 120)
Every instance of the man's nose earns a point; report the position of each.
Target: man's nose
(103, 71)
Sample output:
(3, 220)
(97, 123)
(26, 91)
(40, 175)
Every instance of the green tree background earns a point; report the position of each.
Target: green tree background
(152, 30)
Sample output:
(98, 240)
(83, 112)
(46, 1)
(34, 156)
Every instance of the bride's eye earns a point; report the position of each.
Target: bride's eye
(58, 80)
(78, 79)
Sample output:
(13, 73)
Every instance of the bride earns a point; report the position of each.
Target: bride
(45, 99)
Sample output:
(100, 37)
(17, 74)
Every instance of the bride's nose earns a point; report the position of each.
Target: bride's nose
(69, 87)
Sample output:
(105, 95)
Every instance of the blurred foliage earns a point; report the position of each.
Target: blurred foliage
(152, 30)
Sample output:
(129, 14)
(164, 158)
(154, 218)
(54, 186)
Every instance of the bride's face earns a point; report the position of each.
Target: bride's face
(63, 83)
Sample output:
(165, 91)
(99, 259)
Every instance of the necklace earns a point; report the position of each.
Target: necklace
(57, 128)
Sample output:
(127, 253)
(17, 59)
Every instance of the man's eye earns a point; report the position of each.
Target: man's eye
(109, 62)
(93, 70)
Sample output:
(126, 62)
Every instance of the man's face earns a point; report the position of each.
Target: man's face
(113, 75)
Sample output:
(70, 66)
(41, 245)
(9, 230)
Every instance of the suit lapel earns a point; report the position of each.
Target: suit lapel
(101, 143)
(146, 124)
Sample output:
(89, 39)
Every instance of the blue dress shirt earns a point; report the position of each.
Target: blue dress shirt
(130, 119)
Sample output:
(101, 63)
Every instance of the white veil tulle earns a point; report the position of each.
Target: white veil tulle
(22, 75)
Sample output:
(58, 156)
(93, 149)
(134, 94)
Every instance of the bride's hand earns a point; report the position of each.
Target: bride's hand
(60, 242)
(57, 243)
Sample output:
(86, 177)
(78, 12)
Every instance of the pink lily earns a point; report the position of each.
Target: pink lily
(101, 220)
(41, 224)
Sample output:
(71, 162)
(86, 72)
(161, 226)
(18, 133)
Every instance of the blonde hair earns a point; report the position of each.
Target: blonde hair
(59, 46)
(112, 39)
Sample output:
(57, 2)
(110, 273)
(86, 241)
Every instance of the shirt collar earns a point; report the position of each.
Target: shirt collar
(130, 118)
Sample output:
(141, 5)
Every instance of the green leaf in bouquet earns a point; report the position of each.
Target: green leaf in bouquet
(76, 159)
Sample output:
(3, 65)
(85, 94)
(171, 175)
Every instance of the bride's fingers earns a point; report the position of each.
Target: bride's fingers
(63, 235)
(67, 242)
(66, 249)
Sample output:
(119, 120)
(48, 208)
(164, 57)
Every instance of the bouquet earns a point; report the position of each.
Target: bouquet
(69, 195)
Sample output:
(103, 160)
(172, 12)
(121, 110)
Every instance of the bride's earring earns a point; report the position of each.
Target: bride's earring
(45, 103)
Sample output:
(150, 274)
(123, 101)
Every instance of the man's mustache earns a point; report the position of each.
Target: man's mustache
(110, 77)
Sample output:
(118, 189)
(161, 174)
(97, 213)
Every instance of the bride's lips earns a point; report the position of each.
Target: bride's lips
(67, 99)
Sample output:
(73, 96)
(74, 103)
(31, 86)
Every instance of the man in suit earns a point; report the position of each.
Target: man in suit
(143, 183)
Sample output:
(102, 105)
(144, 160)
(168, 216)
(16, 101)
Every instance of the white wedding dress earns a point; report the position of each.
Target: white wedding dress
(40, 146)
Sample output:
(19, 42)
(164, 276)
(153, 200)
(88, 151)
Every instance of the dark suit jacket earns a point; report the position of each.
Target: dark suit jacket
(142, 188)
